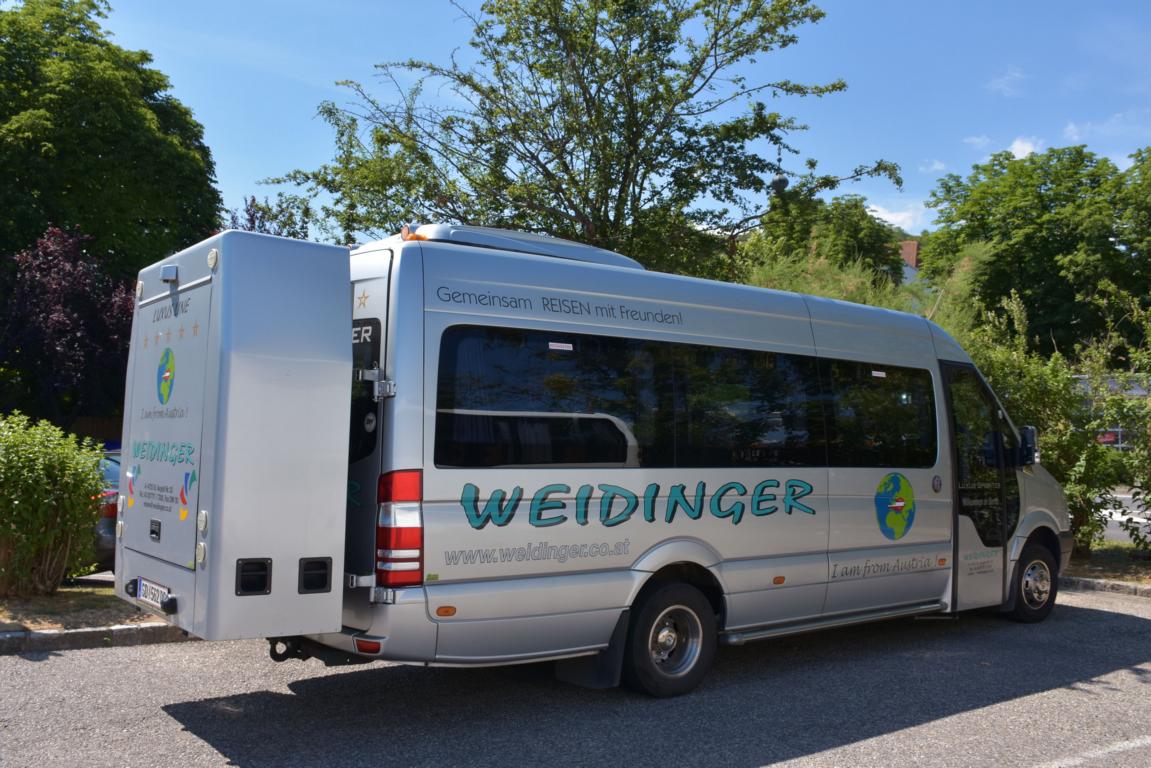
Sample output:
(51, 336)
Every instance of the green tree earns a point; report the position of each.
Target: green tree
(841, 232)
(846, 231)
(852, 281)
(64, 332)
(1043, 390)
(91, 137)
(627, 124)
(1135, 208)
(785, 230)
(286, 216)
(1050, 223)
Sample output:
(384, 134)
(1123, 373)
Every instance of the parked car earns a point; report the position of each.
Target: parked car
(106, 524)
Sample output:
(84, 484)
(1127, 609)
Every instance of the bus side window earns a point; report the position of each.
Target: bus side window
(880, 415)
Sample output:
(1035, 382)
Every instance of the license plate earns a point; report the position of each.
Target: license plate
(152, 593)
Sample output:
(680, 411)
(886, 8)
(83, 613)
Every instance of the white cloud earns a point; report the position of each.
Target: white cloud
(978, 142)
(932, 166)
(1025, 145)
(1131, 125)
(910, 219)
(1009, 83)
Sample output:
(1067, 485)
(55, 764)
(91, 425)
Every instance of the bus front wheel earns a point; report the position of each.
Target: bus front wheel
(1036, 584)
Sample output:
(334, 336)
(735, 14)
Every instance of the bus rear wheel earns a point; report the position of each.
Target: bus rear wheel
(671, 641)
(1036, 584)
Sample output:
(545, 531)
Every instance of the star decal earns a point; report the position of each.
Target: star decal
(362, 299)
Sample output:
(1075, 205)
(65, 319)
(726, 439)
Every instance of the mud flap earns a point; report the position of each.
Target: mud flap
(604, 668)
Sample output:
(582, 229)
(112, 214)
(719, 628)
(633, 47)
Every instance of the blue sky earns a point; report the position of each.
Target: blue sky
(933, 86)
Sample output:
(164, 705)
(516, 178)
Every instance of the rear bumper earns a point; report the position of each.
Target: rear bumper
(402, 629)
(1066, 546)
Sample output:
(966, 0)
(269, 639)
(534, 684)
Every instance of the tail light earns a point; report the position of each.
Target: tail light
(107, 503)
(399, 529)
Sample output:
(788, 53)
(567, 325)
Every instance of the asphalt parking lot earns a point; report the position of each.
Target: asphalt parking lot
(978, 690)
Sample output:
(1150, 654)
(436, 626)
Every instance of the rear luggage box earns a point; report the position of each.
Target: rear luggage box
(232, 512)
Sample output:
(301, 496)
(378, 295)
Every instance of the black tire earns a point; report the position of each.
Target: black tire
(1035, 584)
(670, 641)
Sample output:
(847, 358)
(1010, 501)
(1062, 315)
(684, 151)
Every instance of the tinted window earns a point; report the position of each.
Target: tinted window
(521, 397)
(509, 396)
(488, 439)
(365, 411)
(748, 408)
(988, 492)
(879, 415)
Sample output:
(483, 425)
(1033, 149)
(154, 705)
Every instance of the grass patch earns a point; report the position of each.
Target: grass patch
(72, 607)
(1115, 560)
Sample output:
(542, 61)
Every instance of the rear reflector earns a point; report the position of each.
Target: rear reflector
(367, 646)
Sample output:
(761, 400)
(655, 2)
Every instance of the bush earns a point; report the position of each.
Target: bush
(49, 483)
(1070, 405)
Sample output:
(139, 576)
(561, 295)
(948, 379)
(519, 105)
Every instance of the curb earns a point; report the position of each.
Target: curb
(43, 640)
(1078, 584)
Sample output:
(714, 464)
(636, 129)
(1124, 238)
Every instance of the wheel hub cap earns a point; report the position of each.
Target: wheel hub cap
(1036, 584)
(666, 640)
(675, 641)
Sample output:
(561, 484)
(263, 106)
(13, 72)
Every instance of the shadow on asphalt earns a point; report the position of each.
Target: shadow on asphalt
(762, 703)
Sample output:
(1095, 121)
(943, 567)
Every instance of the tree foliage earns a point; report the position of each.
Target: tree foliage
(851, 281)
(1071, 398)
(840, 232)
(626, 124)
(1059, 227)
(286, 216)
(1045, 391)
(90, 137)
(64, 333)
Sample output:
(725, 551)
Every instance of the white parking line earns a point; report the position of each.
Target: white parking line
(1096, 754)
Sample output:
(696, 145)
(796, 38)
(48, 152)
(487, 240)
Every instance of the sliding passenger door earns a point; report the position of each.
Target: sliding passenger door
(986, 489)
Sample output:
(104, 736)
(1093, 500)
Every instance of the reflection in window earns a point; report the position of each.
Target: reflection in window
(528, 398)
(880, 415)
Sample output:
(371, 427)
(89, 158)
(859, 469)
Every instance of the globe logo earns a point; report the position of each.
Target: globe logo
(166, 376)
(895, 506)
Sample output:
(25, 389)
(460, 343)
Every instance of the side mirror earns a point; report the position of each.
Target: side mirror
(1028, 446)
